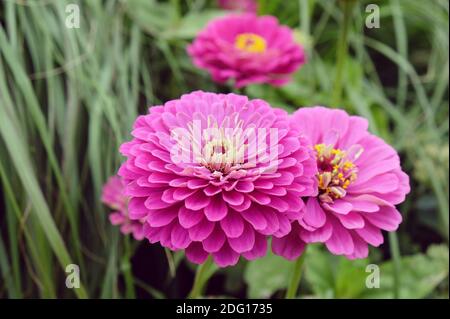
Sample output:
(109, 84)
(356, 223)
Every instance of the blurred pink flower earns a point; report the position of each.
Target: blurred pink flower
(247, 49)
(113, 197)
(250, 6)
(243, 182)
(359, 181)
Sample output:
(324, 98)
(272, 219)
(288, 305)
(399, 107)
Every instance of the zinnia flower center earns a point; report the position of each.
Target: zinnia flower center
(336, 170)
(220, 147)
(250, 42)
(222, 155)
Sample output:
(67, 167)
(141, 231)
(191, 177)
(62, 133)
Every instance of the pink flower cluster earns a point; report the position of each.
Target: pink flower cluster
(251, 168)
(219, 174)
(246, 184)
(114, 197)
(247, 49)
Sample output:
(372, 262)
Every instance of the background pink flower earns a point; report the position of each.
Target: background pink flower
(359, 181)
(247, 49)
(250, 6)
(114, 197)
(215, 204)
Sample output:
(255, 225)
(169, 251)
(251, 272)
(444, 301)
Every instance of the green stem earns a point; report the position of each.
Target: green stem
(126, 269)
(342, 51)
(176, 5)
(201, 278)
(296, 277)
(395, 252)
(170, 262)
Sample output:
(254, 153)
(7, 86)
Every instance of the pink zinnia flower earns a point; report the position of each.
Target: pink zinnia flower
(359, 182)
(250, 6)
(216, 174)
(114, 197)
(248, 49)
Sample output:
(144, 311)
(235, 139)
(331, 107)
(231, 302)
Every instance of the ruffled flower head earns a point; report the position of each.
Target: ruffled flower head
(247, 49)
(216, 174)
(114, 197)
(359, 183)
(250, 6)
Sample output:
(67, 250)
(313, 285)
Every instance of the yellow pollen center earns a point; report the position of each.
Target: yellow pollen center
(250, 42)
(336, 171)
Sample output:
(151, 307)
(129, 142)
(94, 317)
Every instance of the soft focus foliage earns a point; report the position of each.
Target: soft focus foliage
(69, 97)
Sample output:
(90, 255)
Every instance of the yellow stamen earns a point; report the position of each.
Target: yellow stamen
(336, 172)
(250, 42)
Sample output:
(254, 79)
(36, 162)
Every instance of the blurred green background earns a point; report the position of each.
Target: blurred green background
(68, 98)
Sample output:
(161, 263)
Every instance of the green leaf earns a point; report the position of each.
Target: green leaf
(266, 275)
(319, 271)
(351, 278)
(420, 274)
(152, 16)
(191, 24)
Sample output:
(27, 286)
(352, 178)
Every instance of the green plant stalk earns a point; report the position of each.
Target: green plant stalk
(342, 52)
(127, 270)
(401, 39)
(395, 252)
(18, 153)
(201, 278)
(170, 262)
(296, 277)
(32, 102)
(5, 270)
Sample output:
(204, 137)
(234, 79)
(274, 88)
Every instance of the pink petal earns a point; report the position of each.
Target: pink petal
(116, 218)
(232, 225)
(351, 220)
(388, 218)
(289, 247)
(197, 201)
(197, 183)
(259, 250)
(216, 210)
(340, 242)
(180, 237)
(154, 201)
(214, 241)
(201, 231)
(233, 198)
(244, 187)
(181, 193)
(245, 241)
(255, 218)
(195, 253)
(161, 217)
(188, 218)
(319, 235)
(136, 208)
(339, 206)
(382, 184)
(284, 226)
(273, 223)
(371, 234)
(363, 205)
(314, 214)
(226, 256)
(361, 248)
